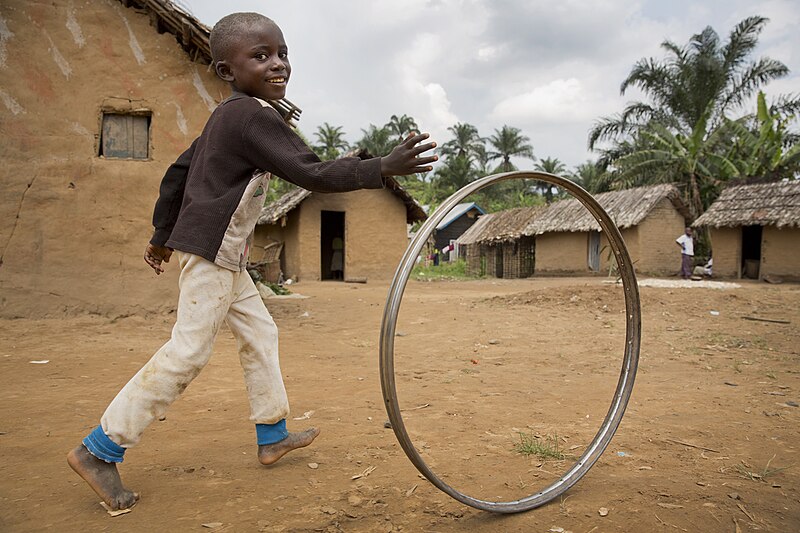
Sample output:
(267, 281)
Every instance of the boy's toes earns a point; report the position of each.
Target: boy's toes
(125, 500)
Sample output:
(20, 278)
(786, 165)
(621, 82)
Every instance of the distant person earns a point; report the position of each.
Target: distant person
(705, 270)
(686, 244)
(337, 259)
(210, 199)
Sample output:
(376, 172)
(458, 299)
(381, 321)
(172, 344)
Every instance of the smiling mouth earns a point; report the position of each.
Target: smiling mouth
(277, 81)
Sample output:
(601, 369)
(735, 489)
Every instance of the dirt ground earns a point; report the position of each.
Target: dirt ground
(709, 441)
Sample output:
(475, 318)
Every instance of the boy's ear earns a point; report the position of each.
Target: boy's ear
(223, 71)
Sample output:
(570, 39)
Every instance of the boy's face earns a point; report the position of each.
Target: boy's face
(258, 65)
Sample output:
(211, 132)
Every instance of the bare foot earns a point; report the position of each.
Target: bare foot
(102, 477)
(269, 453)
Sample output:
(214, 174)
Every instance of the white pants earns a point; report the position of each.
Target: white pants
(209, 294)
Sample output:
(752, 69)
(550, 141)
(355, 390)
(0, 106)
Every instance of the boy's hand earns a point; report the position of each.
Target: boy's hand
(405, 159)
(154, 255)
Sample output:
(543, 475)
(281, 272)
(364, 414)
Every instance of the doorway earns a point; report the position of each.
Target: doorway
(751, 251)
(332, 252)
(594, 251)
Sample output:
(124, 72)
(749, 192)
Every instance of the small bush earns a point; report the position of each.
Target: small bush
(456, 270)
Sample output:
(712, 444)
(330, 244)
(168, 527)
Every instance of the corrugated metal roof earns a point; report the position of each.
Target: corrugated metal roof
(456, 212)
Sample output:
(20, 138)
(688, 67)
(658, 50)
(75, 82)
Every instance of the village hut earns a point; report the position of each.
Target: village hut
(97, 100)
(458, 220)
(496, 246)
(755, 231)
(569, 239)
(301, 227)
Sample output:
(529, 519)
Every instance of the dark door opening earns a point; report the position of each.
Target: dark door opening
(498, 261)
(332, 245)
(751, 251)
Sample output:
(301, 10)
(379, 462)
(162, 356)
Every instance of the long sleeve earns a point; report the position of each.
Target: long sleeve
(170, 196)
(273, 146)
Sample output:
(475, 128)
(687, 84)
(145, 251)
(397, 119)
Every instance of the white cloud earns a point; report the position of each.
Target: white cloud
(548, 68)
(561, 100)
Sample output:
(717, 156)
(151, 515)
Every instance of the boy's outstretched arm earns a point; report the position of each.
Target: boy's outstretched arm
(270, 145)
(405, 158)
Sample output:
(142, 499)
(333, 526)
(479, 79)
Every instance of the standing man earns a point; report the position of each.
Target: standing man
(686, 242)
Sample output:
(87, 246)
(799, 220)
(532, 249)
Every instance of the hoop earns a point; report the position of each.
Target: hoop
(630, 360)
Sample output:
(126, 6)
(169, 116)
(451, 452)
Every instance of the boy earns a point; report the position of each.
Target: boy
(209, 201)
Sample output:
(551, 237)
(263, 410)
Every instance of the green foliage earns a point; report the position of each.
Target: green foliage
(456, 270)
(592, 177)
(331, 142)
(508, 142)
(280, 290)
(401, 126)
(377, 141)
(549, 166)
(763, 148)
(682, 134)
(547, 448)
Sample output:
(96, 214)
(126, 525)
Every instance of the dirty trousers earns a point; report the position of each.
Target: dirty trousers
(209, 294)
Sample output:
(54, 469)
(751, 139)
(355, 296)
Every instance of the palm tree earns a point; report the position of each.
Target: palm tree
(765, 151)
(454, 174)
(591, 177)
(377, 141)
(331, 142)
(700, 75)
(509, 142)
(465, 142)
(694, 161)
(550, 165)
(401, 126)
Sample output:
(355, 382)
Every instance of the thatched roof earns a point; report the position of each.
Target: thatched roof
(273, 212)
(627, 208)
(192, 35)
(500, 227)
(765, 204)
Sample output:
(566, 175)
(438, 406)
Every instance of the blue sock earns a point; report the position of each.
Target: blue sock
(99, 445)
(271, 433)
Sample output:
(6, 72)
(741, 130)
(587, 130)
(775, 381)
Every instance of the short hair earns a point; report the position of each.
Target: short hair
(223, 35)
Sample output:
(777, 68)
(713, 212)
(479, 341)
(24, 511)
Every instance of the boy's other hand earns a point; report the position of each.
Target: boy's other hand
(405, 158)
(154, 255)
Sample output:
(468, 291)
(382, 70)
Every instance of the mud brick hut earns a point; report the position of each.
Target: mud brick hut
(496, 246)
(301, 226)
(569, 239)
(97, 100)
(755, 231)
(564, 238)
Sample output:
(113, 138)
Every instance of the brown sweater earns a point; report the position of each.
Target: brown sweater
(211, 197)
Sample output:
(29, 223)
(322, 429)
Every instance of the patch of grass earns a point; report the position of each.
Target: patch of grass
(277, 289)
(457, 270)
(731, 342)
(547, 448)
(746, 472)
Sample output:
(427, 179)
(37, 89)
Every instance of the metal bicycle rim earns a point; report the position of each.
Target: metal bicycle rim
(629, 364)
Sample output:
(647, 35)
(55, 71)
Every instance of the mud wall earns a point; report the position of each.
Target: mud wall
(75, 223)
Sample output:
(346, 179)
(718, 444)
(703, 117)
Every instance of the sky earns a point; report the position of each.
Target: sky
(550, 68)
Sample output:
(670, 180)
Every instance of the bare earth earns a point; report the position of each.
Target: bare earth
(709, 442)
